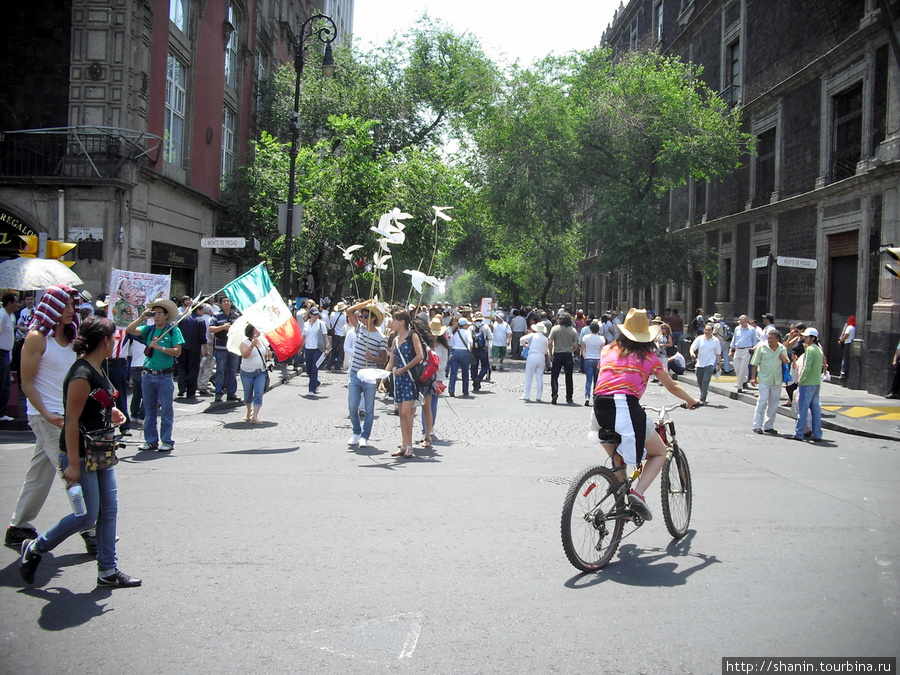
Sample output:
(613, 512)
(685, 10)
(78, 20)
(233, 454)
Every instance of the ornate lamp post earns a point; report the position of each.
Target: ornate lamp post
(325, 34)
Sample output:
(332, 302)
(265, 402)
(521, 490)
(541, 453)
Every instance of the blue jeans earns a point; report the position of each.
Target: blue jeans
(312, 356)
(118, 376)
(158, 391)
(226, 372)
(253, 383)
(590, 377)
(137, 396)
(459, 359)
(357, 389)
(808, 401)
(101, 500)
(481, 364)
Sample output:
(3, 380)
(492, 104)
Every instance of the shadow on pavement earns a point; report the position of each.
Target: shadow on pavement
(263, 451)
(652, 567)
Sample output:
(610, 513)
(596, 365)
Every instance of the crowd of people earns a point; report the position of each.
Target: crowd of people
(76, 367)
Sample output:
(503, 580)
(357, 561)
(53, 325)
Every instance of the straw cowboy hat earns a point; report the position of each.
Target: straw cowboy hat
(169, 307)
(373, 308)
(539, 327)
(637, 326)
(436, 326)
(340, 307)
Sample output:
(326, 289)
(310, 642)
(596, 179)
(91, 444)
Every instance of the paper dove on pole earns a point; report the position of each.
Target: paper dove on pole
(418, 278)
(349, 251)
(379, 262)
(439, 212)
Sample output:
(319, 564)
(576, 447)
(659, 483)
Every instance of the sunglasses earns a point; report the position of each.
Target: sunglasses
(364, 315)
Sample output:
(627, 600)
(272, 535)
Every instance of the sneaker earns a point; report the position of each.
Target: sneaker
(770, 431)
(757, 431)
(587, 403)
(118, 579)
(363, 442)
(29, 562)
(16, 535)
(218, 398)
(354, 439)
(90, 542)
(166, 447)
(639, 505)
(125, 432)
(233, 398)
(7, 418)
(148, 446)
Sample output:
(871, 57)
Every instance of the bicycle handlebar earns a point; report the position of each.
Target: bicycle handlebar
(665, 408)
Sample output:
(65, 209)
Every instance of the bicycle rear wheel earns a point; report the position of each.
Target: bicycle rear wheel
(592, 519)
(676, 493)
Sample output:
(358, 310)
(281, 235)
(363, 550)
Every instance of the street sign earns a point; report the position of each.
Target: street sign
(223, 242)
(297, 219)
(803, 263)
(759, 262)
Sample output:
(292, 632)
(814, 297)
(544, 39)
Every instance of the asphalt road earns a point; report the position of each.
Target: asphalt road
(277, 549)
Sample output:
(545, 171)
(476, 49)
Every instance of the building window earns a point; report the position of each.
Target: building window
(227, 143)
(658, 21)
(732, 92)
(176, 96)
(699, 200)
(846, 132)
(231, 55)
(177, 14)
(260, 76)
(633, 34)
(725, 281)
(765, 167)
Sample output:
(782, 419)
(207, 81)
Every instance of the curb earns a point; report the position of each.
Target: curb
(829, 424)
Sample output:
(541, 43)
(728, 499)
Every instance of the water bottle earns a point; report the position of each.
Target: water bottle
(76, 497)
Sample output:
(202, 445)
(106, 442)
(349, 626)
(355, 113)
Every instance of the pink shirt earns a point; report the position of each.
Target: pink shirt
(629, 375)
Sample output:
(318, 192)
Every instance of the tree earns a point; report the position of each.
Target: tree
(647, 123)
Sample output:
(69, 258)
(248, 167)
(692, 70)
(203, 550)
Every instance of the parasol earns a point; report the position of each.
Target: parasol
(34, 274)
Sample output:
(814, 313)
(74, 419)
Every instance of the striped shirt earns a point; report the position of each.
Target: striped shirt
(367, 340)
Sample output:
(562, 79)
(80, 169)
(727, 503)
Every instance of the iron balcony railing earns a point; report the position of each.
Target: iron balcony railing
(73, 152)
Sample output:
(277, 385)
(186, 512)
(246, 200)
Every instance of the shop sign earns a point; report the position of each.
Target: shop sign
(171, 255)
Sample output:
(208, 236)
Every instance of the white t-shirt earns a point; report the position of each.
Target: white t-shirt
(501, 333)
(255, 361)
(593, 343)
(538, 344)
(314, 335)
(706, 351)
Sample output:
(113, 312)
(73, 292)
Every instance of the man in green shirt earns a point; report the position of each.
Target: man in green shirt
(765, 365)
(810, 382)
(157, 381)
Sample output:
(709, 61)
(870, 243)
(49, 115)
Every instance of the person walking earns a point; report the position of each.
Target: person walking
(742, 345)
(315, 343)
(46, 358)
(538, 345)
(708, 351)
(501, 339)
(226, 363)
(407, 352)
(767, 375)
(810, 382)
(89, 403)
(157, 380)
(482, 339)
(591, 346)
(563, 340)
(460, 341)
(253, 372)
(367, 349)
(518, 326)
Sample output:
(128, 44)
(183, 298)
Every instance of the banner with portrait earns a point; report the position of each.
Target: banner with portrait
(130, 291)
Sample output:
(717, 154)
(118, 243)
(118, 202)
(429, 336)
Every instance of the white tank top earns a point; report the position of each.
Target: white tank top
(55, 363)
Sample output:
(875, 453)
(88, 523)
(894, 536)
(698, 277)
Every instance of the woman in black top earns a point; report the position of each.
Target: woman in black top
(89, 401)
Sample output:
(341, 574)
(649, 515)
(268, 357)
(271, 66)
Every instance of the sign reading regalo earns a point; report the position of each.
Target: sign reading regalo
(804, 263)
(223, 242)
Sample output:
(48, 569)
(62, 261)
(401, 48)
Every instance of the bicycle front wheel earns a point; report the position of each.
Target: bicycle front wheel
(676, 493)
(592, 519)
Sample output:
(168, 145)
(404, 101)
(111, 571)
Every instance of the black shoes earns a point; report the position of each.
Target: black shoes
(770, 431)
(757, 431)
(233, 398)
(553, 400)
(90, 542)
(118, 579)
(29, 562)
(16, 535)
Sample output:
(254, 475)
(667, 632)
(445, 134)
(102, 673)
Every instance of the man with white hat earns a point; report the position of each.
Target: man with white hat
(157, 381)
(482, 339)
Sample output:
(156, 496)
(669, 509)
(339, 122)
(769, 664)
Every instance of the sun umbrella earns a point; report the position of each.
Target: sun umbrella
(34, 274)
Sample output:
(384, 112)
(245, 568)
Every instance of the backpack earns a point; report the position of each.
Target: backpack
(726, 330)
(424, 373)
(479, 339)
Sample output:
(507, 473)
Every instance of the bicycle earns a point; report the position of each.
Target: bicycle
(596, 509)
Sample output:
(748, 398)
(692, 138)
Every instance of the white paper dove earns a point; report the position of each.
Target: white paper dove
(348, 252)
(439, 212)
(379, 262)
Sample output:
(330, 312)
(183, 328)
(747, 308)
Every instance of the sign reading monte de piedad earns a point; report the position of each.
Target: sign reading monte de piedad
(804, 263)
(223, 242)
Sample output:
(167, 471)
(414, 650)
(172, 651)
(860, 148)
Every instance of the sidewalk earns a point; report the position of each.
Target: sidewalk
(850, 411)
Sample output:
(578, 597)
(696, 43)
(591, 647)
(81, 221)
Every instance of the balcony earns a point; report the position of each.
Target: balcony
(731, 95)
(74, 152)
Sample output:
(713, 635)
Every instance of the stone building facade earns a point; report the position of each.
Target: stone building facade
(121, 119)
(800, 227)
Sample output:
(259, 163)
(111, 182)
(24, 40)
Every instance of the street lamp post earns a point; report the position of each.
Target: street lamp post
(326, 35)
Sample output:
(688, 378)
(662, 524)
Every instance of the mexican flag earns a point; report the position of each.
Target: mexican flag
(261, 305)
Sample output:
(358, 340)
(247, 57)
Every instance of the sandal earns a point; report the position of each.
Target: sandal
(399, 452)
(426, 442)
(409, 451)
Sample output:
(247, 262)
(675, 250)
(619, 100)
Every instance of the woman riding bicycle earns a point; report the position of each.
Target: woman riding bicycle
(625, 368)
